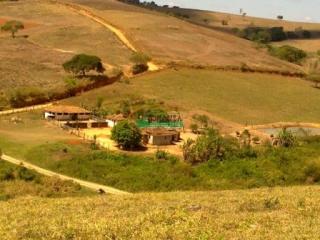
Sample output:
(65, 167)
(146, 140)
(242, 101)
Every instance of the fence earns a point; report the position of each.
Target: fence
(146, 124)
(25, 109)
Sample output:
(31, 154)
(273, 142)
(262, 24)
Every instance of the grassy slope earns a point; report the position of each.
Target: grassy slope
(253, 214)
(169, 39)
(51, 29)
(19, 138)
(18, 182)
(239, 97)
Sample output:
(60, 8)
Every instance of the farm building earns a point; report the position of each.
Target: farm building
(112, 120)
(160, 136)
(67, 113)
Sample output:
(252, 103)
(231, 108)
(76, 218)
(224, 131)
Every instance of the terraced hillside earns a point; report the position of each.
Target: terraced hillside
(275, 213)
(168, 39)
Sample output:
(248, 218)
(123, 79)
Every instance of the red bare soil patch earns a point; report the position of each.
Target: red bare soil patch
(25, 23)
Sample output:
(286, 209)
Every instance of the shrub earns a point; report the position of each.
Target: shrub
(25, 174)
(139, 68)
(161, 155)
(6, 174)
(288, 53)
(286, 138)
(206, 147)
(127, 135)
(140, 58)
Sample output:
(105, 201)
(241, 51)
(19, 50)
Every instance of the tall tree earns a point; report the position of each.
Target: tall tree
(82, 63)
(12, 26)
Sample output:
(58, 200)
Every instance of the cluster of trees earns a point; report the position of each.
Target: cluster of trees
(262, 35)
(288, 53)
(211, 145)
(273, 34)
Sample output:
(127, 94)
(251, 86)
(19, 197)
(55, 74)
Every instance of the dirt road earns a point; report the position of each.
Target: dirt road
(120, 35)
(90, 185)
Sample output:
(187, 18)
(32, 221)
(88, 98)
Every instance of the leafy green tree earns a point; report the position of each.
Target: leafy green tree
(82, 63)
(12, 26)
(127, 135)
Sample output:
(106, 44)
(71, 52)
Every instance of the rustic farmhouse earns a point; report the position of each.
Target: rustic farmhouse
(67, 113)
(160, 136)
(112, 120)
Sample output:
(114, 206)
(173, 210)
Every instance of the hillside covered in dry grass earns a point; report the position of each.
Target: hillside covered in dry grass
(275, 213)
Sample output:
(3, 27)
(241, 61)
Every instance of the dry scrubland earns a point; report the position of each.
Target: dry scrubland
(238, 97)
(168, 39)
(279, 213)
(54, 35)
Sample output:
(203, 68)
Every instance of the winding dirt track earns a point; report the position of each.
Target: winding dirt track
(121, 36)
(90, 185)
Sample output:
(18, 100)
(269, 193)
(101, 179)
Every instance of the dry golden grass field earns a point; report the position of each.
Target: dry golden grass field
(55, 34)
(275, 213)
(168, 39)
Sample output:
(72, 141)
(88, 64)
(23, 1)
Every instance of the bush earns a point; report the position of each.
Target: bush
(161, 155)
(127, 135)
(288, 53)
(139, 68)
(7, 174)
(286, 138)
(208, 146)
(25, 174)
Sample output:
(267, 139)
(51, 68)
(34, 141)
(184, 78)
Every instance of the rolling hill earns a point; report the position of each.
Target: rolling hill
(169, 39)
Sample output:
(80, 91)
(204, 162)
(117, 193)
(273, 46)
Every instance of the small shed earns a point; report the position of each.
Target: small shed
(160, 136)
(67, 113)
(112, 120)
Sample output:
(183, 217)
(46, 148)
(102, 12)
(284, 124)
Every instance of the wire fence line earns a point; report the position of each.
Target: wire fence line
(25, 109)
